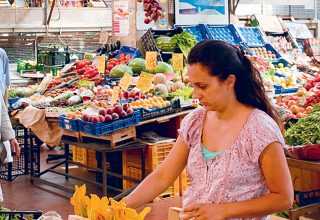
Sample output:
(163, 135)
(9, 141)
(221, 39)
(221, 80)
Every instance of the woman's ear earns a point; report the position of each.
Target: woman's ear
(231, 80)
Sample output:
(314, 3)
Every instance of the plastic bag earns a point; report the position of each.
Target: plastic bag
(51, 215)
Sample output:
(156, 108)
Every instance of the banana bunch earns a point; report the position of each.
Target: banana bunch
(95, 208)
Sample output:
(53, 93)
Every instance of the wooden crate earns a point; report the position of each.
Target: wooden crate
(114, 138)
(304, 176)
(171, 192)
(184, 183)
(155, 155)
(84, 156)
(305, 213)
(73, 134)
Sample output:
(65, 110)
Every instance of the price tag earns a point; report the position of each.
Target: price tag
(101, 64)
(125, 81)
(151, 60)
(145, 81)
(177, 61)
(115, 94)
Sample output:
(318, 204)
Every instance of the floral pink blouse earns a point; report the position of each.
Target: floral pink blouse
(235, 174)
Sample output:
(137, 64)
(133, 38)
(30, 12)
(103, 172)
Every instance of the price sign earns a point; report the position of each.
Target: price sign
(101, 64)
(151, 60)
(125, 81)
(115, 94)
(177, 61)
(145, 81)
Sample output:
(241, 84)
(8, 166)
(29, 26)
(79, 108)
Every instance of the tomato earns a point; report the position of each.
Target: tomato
(107, 72)
(128, 56)
(309, 109)
(109, 66)
(122, 55)
(291, 102)
(300, 115)
(112, 62)
(294, 109)
(123, 62)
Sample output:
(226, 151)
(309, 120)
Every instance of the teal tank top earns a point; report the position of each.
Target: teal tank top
(207, 154)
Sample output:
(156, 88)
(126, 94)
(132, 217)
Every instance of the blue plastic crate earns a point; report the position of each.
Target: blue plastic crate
(134, 52)
(68, 123)
(279, 90)
(300, 45)
(307, 198)
(252, 36)
(105, 128)
(268, 47)
(226, 33)
(156, 112)
(199, 31)
(12, 101)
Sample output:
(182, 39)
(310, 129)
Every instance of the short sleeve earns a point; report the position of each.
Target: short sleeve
(264, 132)
(190, 126)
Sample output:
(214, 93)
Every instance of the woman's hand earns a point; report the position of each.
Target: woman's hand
(204, 211)
(15, 146)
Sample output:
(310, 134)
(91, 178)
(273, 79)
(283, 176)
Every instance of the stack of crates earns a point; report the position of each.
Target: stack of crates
(155, 155)
(52, 55)
(84, 156)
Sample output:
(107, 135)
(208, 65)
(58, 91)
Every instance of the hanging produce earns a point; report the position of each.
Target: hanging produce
(153, 10)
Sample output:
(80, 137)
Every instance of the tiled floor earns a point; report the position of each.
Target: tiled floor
(21, 194)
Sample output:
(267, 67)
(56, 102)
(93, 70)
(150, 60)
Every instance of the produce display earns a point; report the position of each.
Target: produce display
(95, 208)
(152, 9)
(263, 53)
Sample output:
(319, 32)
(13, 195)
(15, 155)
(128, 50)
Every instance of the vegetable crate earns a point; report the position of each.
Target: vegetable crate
(149, 44)
(304, 177)
(105, 128)
(20, 165)
(84, 156)
(226, 33)
(199, 31)
(252, 36)
(268, 47)
(155, 155)
(12, 101)
(155, 112)
(307, 198)
(68, 123)
(134, 52)
(115, 138)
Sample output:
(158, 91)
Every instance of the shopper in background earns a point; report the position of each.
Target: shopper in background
(232, 146)
(7, 133)
(4, 75)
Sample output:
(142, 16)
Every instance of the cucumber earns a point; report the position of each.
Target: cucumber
(68, 74)
(70, 82)
(59, 86)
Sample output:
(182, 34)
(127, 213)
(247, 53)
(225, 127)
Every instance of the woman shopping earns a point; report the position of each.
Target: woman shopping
(232, 146)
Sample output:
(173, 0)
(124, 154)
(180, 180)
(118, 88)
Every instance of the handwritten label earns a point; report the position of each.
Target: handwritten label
(145, 81)
(115, 94)
(151, 60)
(101, 64)
(125, 81)
(177, 61)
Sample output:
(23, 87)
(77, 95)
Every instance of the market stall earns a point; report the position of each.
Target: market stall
(118, 109)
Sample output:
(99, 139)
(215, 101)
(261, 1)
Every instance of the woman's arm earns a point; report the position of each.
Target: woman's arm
(275, 170)
(7, 132)
(159, 180)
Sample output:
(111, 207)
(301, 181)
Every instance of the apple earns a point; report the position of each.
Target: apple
(149, 95)
(129, 111)
(91, 118)
(136, 98)
(123, 114)
(95, 119)
(125, 106)
(126, 94)
(115, 116)
(143, 96)
(85, 117)
(102, 118)
(102, 111)
(109, 111)
(117, 109)
(108, 118)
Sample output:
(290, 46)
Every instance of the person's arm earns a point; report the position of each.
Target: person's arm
(159, 180)
(275, 170)
(7, 133)
(5, 97)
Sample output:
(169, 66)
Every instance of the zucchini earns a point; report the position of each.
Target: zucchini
(70, 82)
(73, 82)
(59, 86)
(68, 74)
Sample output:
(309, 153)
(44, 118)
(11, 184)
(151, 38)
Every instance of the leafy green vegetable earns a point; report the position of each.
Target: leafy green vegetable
(185, 41)
(306, 130)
